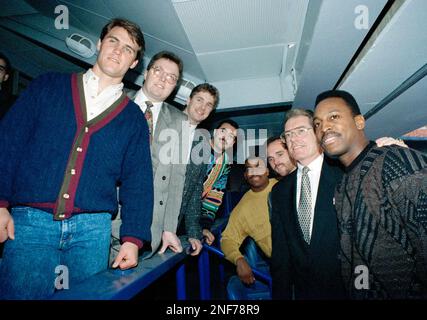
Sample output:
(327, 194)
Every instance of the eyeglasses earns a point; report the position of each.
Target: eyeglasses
(170, 78)
(300, 132)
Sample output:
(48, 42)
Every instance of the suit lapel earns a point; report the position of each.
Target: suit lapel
(322, 206)
(163, 122)
(193, 170)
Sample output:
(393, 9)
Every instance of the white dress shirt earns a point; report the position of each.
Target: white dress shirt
(98, 103)
(314, 175)
(140, 99)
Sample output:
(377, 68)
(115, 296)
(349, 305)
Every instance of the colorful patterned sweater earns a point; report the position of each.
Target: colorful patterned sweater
(382, 211)
(214, 188)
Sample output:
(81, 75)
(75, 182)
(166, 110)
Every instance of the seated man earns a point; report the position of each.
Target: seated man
(250, 218)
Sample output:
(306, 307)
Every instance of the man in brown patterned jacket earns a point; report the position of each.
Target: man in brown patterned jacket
(381, 204)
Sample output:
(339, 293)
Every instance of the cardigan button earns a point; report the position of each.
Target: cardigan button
(73, 172)
(79, 149)
(164, 178)
(161, 202)
(66, 196)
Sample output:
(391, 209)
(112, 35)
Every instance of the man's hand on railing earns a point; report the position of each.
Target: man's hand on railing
(196, 246)
(7, 227)
(127, 257)
(170, 240)
(209, 237)
(244, 271)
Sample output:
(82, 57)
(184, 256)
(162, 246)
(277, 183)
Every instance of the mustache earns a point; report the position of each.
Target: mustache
(328, 135)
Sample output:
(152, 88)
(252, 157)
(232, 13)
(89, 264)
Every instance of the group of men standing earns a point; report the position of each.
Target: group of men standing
(347, 215)
(75, 146)
(70, 141)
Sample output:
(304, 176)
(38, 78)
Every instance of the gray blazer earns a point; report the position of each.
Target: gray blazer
(191, 206)
(169, 177)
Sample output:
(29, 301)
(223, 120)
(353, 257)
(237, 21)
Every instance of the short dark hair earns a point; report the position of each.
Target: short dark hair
(169, 56)
(275, 138)
(133, 30)
(208, 88)
(230, 122)
(346, 96)
(8, 66)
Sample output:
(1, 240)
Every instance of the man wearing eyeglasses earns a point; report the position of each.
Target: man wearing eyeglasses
(161, 78)
(305, 237)
(304, 224)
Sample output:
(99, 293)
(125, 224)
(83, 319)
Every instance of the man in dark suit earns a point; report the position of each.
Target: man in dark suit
(304, 224)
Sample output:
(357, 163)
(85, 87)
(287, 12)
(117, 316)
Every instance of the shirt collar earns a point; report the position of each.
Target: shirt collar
(315, 165)
(192, 126)
(91, 79)
(140, 99)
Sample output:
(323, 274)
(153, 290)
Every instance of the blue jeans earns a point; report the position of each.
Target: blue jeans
(79, 244)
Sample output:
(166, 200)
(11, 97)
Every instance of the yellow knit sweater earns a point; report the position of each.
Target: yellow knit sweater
(249, 218)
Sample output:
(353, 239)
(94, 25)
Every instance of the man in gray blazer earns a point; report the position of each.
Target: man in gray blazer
(160, 80)
(161, 77)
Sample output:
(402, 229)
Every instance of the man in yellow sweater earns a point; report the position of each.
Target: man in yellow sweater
(249, 218)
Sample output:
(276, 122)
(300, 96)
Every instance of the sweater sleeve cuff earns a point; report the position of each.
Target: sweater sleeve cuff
(4, 204)
(237, 257)
(132, 240)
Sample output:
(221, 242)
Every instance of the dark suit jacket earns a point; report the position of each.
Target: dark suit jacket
(313, 270)
(6, 101)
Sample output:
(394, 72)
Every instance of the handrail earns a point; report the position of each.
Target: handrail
(258, 274)
(115, 284)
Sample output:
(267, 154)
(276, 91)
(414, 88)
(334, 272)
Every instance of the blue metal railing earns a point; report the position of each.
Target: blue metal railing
(204, 271)
(115, 284)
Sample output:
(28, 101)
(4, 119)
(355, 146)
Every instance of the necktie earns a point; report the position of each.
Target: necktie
(304, 206)
(149, 117)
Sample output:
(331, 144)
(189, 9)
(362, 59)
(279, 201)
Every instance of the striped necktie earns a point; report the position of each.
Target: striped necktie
(149, 117)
